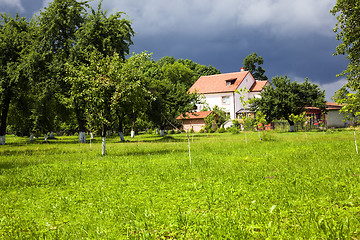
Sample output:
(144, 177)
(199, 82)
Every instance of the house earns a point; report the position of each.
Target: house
(220, 90)
(333, 118)
(194, 120)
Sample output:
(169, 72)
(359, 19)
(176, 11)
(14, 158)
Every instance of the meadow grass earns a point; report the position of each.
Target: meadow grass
(287, 186)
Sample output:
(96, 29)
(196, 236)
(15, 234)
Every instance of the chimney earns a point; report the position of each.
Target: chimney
(242, 69)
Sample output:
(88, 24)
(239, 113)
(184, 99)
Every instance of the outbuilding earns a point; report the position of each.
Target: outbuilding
(195, 120)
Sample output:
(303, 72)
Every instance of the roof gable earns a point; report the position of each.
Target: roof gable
(258, 86)
(227, 82)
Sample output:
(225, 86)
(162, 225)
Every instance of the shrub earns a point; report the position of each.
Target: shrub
(221, 130)
(233, 130)
(268, 136)
(191, 130)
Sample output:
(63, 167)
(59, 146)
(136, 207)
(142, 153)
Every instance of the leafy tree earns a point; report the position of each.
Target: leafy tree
(210, 121)
(252, 63)
(132, 96)
(101, 74)
(107, 34)
(178, 73)
(348, 31)
(282, 98)
(58, 24)
(15, 37)
(198, 69)
(222, 116)
(169, 86)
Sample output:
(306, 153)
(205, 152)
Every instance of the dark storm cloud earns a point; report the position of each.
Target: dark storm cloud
(294, 37)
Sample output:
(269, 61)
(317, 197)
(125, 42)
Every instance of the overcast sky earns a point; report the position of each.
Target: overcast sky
(294, 37)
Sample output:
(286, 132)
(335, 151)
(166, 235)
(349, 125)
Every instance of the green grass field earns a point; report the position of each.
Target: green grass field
(287, 186)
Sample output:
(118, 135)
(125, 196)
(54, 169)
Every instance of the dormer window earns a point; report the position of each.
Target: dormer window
(230, 81)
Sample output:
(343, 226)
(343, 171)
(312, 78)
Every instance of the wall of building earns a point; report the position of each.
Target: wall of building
(195, 124)
(335, 119)
(247, 83)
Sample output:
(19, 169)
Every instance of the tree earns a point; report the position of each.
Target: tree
(348, 31)
(252, 63)
(132, 96)
(282, 98)
(15, 38)
(101, 75)
(58, 24)
(169, 86)
(198, 69)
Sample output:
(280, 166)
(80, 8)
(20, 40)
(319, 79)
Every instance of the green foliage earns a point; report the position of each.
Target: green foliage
(249, 122)
(210, 122)
(105, 33)
(15, 38)
(252, 63)
(222, 116)
(260, 120)
(282, 98)
(347, 13)
(221, 130)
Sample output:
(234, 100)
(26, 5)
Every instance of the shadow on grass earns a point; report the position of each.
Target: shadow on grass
(147, 153)
(19, 164)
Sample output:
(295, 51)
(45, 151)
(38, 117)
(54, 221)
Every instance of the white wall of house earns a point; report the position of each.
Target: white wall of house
(247, 83)
(222, 100)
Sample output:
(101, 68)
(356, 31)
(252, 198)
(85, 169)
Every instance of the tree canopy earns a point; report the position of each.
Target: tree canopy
(282, 98)
(348, 31)
(252, 63)
(69, 69)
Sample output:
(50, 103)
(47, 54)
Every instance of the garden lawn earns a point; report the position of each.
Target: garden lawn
(289, 185)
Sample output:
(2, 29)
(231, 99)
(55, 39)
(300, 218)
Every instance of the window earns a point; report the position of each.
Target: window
(230, 81)
(225, 100)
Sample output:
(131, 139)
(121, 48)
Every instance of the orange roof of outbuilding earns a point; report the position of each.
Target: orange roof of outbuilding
(217, 83)
(258, 86)
(194, 115)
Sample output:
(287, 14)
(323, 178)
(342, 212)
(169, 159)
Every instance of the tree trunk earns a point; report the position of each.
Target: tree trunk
(45, 137)
(121, 130)
(82, 137)
(81, 123)
(103, 137)
(292, 125)
(4, 114)
(133, 126)
(103, 146)
(51, 135)
(31, 137)
(2, 140)
(162, 130)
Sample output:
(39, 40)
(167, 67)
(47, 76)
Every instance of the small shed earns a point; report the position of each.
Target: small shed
(334, 117)
(194, 120)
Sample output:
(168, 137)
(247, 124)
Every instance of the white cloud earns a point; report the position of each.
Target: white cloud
(276, 17)
(331, 88)
(16, 4)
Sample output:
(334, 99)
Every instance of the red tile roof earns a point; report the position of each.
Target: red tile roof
(258, 86)
(328, 106)
(333, 106)
(217, 83)
(194, 115)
